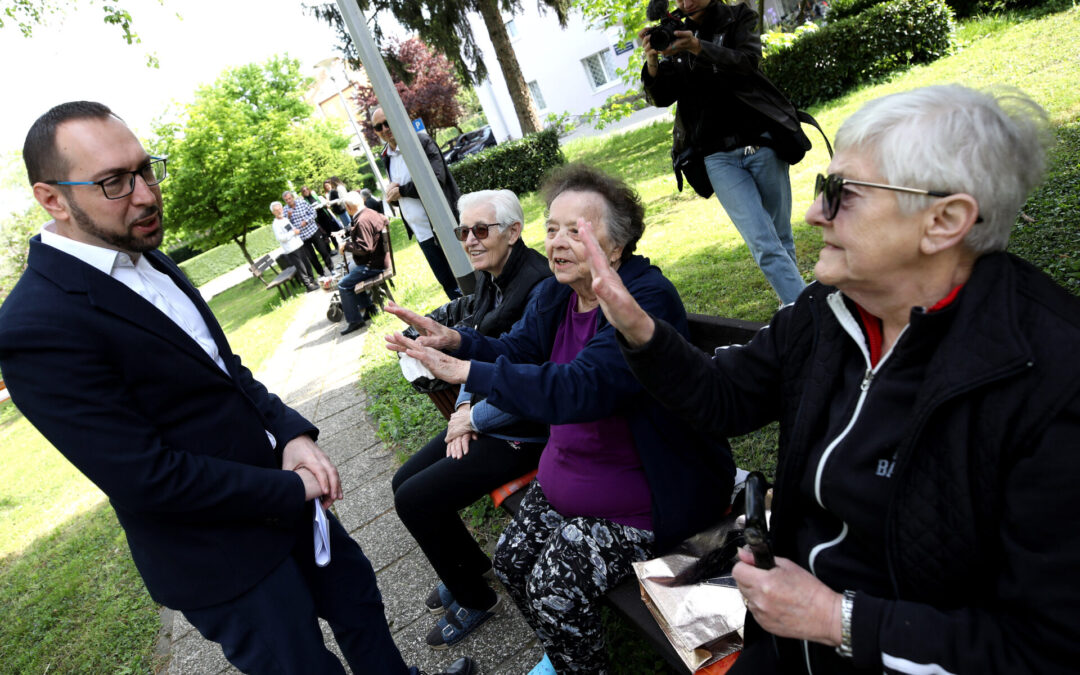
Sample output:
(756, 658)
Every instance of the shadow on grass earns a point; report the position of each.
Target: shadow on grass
(73, 602)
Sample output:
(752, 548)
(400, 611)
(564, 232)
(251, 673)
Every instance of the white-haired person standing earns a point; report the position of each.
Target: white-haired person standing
(291, 244)
(928, 396)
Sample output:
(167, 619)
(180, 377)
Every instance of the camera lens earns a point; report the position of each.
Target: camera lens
(661, 38)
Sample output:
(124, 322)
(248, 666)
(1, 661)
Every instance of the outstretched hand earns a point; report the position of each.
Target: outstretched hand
(442, 366)
(618, 305)
(432, 333)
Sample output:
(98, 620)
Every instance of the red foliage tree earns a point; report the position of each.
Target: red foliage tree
(427, 86)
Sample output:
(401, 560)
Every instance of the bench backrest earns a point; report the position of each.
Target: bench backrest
(709, 332)
(262, 264)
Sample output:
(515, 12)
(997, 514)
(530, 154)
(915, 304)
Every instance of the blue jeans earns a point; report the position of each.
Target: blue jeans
(346, 222)
(756, 194)
(350, 301)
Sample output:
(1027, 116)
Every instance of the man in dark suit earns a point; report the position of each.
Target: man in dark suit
(111, 353)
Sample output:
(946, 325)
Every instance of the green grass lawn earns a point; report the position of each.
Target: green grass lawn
(70, 601)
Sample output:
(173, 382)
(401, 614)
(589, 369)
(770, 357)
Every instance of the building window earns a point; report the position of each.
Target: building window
(534, 89)
(511, 29)
(600, 68)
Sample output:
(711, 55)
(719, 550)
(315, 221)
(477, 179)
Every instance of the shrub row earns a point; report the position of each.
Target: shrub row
(217, 261)
(824, 64)
(519, 165)
(842, 9)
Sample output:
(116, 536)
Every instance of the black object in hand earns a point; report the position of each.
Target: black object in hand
(757, 528)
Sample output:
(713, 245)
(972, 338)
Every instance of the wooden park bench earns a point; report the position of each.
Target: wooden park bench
(279, 282)
(706, 333)
(379, 287)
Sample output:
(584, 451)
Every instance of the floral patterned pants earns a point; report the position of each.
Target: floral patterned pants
(555, 568)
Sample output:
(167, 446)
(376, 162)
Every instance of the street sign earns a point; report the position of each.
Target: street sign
(418, 124)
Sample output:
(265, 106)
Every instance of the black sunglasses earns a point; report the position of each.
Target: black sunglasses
(381, 125)
(833, 187)
(479, 230)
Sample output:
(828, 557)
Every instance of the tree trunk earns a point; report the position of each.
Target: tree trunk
(242, 243)
(527, 116)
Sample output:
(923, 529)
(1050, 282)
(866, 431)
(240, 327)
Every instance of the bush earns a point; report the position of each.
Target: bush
(215, 262)
(519, 165)
(824, 64)
(842, 9)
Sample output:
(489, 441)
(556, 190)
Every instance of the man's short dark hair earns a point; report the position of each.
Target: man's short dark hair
(43, 160)
(625, 212)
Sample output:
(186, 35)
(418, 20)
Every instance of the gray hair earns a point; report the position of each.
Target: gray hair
(365, 193)
(354, 199)
(277, 204)
(988, 144)
(624, 214)
(507, 207)
(287, 193)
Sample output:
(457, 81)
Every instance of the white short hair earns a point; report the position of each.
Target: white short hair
(354, 199)
(988, 144)
(277, 204)
(506, 204)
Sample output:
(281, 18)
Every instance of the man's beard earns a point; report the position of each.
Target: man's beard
(127, 241)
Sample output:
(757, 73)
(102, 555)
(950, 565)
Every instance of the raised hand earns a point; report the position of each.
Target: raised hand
(442, 366)
(432, 333)
(618, 305)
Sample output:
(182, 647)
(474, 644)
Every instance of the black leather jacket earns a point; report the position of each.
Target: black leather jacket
(725, 102)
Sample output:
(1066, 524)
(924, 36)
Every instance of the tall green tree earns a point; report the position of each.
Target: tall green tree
(234, 152)
(445, 26)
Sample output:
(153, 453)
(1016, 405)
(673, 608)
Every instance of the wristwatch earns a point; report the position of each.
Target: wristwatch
(847, 606)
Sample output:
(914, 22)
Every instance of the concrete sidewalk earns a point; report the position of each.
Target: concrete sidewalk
(316, 371)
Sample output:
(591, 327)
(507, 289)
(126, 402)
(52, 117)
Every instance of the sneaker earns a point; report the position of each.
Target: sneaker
(457, 623)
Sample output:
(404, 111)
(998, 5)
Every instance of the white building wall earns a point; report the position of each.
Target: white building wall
(552, 57)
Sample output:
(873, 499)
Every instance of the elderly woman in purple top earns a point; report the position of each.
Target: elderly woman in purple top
(619, 479)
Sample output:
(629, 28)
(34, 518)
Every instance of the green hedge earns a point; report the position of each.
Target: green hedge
(519, 165)
(217, 261)
(842, 9)
(887, 37)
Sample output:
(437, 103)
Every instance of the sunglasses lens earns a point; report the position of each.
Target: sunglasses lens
(462, 233)
(480, 231)
(379, 127)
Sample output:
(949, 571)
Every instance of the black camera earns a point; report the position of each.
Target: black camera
(663, 34)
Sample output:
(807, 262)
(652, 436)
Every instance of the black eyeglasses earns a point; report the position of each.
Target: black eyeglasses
(120, 185)
(833, 187)
(479, 230)
(381, 125)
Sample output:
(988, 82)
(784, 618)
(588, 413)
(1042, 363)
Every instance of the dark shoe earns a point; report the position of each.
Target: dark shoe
(463, 666)
(312, 287)
(438, 599)
(457, 623)
(353, 326)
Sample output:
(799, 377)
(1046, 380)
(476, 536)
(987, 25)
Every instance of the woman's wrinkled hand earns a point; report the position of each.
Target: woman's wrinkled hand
(618, 305)
(788, 601)
(459, 447)
(432, 333)
(460, 422)
(442, 366)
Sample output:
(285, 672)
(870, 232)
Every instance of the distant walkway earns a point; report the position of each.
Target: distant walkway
(316, 371)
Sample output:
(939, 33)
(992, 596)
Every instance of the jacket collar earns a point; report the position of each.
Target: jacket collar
(109, 295)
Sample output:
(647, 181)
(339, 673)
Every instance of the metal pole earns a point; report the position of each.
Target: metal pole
(431, 195)
(363, 143)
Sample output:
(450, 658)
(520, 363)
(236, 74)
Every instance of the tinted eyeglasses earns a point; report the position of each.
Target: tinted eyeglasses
(381, 125)
(120, 185)
(833, 187)
(479, 230)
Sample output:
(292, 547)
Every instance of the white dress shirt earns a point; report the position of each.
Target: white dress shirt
(412, 209)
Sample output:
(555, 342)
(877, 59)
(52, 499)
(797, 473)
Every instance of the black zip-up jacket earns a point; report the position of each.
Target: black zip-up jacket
(725, 102)
(981, 546)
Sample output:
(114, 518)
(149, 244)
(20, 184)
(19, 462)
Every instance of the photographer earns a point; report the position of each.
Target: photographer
(734, 132)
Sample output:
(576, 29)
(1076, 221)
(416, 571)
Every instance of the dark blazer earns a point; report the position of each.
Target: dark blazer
(136, 405)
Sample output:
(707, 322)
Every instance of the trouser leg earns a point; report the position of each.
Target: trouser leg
(351, 302)
(431, 488)
(737, 190)
(322, 245)
(303, 270)
(520, 545)
(440, 268)
(313, 258)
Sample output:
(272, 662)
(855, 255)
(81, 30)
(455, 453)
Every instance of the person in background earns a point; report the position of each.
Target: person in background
(620, 479)
(302, 216)
(328, 224)
(291, 245)
(335, 191)
(370, 256)
(482, 448)
(402, 192)
(928, 401)
(370, 201)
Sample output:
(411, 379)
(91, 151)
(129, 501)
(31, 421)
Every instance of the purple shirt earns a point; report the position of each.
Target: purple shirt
(592, 468)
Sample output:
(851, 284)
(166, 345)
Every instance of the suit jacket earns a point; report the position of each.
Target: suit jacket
(178, 446)
(442, 174)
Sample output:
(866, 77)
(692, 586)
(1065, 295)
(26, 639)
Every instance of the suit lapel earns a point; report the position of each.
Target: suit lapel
(109, 295)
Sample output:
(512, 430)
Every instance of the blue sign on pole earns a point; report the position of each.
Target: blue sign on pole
(418, 124)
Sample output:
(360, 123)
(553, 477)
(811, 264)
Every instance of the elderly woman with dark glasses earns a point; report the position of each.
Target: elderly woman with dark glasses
(928, 395)
(619, 478)
(482, 448)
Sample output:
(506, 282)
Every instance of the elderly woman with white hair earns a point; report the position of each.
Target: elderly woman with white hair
(482, 448)
(291, 244)
(928, 396)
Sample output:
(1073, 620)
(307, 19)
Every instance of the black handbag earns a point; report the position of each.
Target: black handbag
(691, 164)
